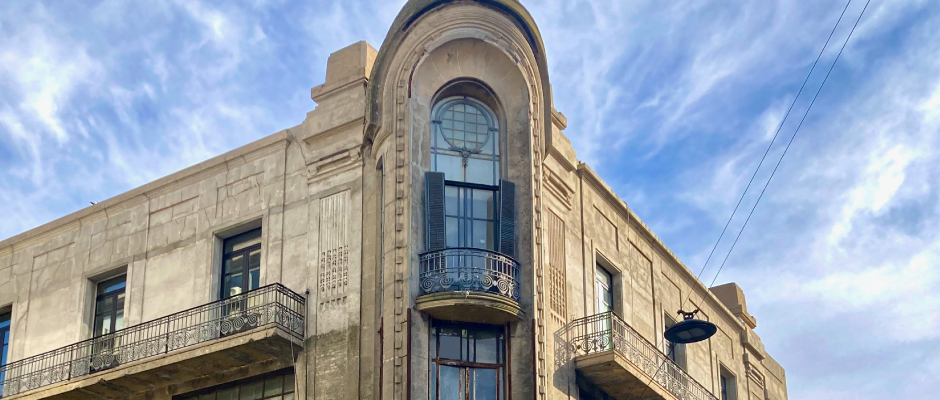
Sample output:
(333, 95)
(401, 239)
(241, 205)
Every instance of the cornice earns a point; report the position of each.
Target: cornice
(142, 193)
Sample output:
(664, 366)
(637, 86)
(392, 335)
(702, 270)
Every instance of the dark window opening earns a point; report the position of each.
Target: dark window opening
(467, 362)
(275, 386)
(4, 345)
(241, 263)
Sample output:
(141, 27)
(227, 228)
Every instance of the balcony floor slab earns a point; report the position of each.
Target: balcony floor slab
(264, 345)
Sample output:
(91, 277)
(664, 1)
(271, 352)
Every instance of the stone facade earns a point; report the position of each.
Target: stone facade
(341, 202)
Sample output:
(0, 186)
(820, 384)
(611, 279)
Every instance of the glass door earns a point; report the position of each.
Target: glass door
(467, 362)
(604, 303)
(109, 318)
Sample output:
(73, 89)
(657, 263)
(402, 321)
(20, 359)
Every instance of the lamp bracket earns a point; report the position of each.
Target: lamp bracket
(688, 314)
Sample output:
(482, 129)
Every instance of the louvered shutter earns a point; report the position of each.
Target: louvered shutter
(507, 218)
(434, 208)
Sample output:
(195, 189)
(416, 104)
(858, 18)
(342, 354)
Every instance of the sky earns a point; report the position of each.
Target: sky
(672, 103)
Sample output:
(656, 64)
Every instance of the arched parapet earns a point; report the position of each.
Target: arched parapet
(423, 25)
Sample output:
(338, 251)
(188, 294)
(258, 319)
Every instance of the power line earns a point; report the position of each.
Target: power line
(778, 161)
(791, 141)
(779, 127)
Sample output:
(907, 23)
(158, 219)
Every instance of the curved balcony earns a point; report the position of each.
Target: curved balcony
(470, 285)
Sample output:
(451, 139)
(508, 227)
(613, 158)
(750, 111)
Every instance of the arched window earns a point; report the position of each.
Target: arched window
(465, 141)
(465, 149)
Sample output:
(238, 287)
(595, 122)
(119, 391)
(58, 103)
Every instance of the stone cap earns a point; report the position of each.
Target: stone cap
(731, 295)
(345, 66)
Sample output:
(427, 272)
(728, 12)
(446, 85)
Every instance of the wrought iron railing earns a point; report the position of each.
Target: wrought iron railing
(468, 269)
(606, 331)
(269, 305)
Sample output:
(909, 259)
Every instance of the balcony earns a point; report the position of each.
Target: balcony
(625, 365)
(469, 285)
(258, 326)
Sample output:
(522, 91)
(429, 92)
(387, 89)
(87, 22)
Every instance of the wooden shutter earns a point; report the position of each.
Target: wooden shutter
(507, 218)
(434, 209)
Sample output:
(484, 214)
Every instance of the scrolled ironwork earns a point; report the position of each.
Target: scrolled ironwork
(269, 305)
(469, 269)
(606, 331)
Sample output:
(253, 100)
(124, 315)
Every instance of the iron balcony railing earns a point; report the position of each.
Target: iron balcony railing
(606, 331)
(468, 269)
(269, 305)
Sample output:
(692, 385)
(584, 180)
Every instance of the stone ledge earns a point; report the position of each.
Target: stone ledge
(467, 306)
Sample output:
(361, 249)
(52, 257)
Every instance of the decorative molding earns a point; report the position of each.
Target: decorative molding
(333, 268)
(558, 187)
(334, 164)
(556, 265)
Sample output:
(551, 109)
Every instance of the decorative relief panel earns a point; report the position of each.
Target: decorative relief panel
(556, 262)
(334, 250)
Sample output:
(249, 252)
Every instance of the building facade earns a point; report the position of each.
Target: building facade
(426, 233)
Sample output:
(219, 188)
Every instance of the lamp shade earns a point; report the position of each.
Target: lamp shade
(690, 330)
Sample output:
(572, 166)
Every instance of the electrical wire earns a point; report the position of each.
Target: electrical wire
(779, 127)
(778, 161)
(791, 141)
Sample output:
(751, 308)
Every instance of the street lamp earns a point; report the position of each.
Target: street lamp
(690, 330)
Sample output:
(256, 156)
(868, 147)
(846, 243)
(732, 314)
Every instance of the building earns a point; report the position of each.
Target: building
(426, 233)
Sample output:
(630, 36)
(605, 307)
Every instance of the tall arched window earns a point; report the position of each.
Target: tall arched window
(465, 148)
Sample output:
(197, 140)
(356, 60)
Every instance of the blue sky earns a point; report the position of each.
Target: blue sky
(672, 103)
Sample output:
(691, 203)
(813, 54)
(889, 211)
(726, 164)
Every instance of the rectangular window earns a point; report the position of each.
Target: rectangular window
(470, 217)
(4, 345)
(467, 362)
(241, 263)
(276, 386)
(728, 386)
(675, 351)
(109, 306)
(603, 287)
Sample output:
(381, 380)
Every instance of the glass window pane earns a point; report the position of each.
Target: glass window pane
(487, 347)
(480, 235)
(273, 386)
(228, 394)
(450, 384)
(481, 171)
(210, 396)
(112, 284)
(449, 343)
(451, 200)
(483, 204)
(104, 306)
(451, 166)
(242, 241)
(289, 383)
(119, 313)
(484, 384)
(288, 396)
(451, 238)
(251, 391)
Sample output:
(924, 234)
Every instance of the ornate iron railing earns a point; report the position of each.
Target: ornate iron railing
(269, 305)
(606, 331)
(467, 269)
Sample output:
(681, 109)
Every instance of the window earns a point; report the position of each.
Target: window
(603, 290)
(466, 149)
(241, 263)
(4, 345)
(277, 386)
(467, 362)
(465, 144)
(109, 306)
(728, 386)
(675, 351)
